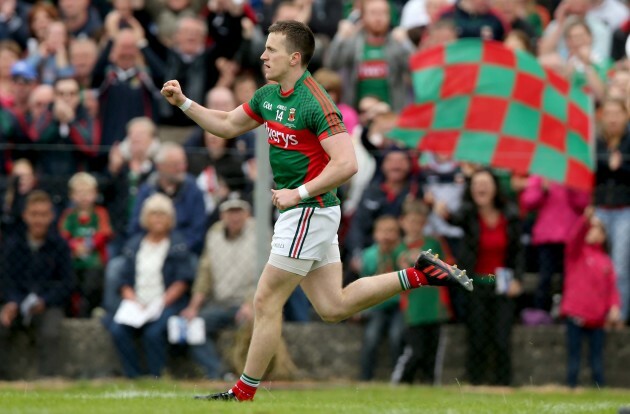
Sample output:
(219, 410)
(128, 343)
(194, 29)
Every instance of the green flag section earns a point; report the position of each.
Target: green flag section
(481, 102)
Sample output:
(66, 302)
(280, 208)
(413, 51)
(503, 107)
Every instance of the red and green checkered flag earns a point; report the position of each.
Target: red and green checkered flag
(481, 102)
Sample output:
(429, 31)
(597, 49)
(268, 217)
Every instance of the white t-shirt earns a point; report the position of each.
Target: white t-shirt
(612, 12)
(149, 263)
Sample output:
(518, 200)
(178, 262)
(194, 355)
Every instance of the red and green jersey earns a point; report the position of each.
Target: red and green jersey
(93, 230)
(296, 122)
(373, 73)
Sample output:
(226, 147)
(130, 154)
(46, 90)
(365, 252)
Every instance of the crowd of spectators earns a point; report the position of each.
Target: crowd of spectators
(97, 207)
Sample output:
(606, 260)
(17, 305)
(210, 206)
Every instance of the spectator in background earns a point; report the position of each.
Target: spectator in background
(442, 181)
(475, 18)
(120, 76)
(381, 198)
(386, 317)
(491, 245)
(24, 79)
(83, 57)
(226, 157)
(40, 17)
(10, 53)
(39, 100)
(441, 32)
(157, 267)
(224, 287)
(194, 64)
(171, 179)
(612, 191)
(167, 17)
(514, 14)
(86, 228)
(425, 310)
(322, 16)
(20, 183)
(586, 66)
(374, 61)
(80, 18)
(590, 297)
(223, 20)
(14, 16)
(37, 278)
(332, 82)
(553, 41)
(558, 207)
(130, 164)
(51, 57)
(67, 135)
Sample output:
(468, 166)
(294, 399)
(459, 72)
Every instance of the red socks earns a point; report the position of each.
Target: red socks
(411, 278)
(245, 388)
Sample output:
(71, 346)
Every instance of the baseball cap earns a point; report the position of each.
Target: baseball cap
(233, 202)
(23, 69)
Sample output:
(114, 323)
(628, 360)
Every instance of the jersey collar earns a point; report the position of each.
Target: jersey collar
(286, 94)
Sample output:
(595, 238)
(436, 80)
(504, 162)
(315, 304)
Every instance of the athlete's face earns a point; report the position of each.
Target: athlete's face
(276, 59)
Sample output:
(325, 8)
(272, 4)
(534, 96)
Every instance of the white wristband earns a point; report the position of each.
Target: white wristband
(303, 192)
(186, 105)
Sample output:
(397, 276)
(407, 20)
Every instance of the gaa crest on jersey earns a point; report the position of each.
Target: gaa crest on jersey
(291, 115)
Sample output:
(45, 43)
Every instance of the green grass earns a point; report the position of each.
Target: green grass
(176, 397)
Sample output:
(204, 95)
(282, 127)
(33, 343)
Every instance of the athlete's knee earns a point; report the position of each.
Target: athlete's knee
(265, 304)
(332, 315)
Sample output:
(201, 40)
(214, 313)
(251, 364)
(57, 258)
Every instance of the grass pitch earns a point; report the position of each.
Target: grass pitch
(167, 396)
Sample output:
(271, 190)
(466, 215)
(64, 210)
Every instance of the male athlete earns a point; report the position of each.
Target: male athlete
(311, 155)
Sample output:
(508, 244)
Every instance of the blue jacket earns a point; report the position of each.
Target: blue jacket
(190, 211)
(46, 272)
(178, 265)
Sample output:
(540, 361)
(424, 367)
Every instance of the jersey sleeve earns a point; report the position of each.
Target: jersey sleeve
(252, 108)
(326, 120)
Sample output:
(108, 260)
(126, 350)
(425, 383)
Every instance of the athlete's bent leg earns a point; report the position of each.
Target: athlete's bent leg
(333, 303)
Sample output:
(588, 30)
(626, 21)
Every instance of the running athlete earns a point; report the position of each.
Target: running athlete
(311, 155)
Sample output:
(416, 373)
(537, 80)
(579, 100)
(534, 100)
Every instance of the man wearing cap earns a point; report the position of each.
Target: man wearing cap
(12, 131)
(24, 79)
(225, 284)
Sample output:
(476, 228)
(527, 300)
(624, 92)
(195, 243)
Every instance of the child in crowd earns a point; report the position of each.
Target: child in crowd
(385, 317)
(426, 309)
(87, 229)
(590, 299)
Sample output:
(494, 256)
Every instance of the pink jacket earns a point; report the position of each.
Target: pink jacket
(590, 287)
(558, 208)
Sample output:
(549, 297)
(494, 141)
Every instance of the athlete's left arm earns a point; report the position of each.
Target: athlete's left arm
(341, 167)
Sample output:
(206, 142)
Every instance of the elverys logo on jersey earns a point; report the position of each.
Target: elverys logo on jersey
(280, 137)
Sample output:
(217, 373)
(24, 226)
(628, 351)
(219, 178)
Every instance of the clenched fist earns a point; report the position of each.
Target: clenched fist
(173, 93)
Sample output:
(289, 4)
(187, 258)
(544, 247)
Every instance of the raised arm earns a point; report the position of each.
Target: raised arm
(220, 123)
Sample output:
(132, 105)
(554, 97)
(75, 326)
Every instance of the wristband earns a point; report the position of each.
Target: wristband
(303, 192)
(186, 105)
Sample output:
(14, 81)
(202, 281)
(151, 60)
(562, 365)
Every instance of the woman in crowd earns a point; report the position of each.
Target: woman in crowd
(490, 246)
(158, 271)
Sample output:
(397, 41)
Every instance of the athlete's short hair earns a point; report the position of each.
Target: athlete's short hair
(299, 38)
